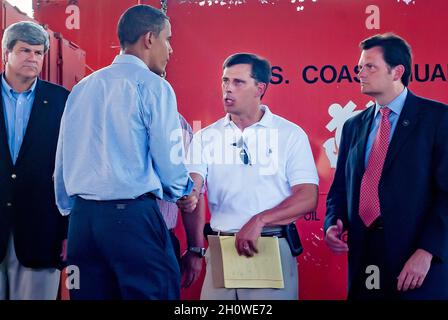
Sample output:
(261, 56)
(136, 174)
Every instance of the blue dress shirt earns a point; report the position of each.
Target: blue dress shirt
(17, 110)
(120, 137)
(396, 106)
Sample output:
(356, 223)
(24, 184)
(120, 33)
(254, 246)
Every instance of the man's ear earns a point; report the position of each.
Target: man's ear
(5, 56)
(148, 39)
(261, 88)
(398, 72)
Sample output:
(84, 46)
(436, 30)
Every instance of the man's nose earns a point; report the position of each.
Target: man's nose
(33, 56)
(227, 87)
(361, 72)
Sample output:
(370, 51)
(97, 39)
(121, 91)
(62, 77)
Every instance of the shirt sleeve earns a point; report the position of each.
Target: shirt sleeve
(165, 140)
(195, 157)
(63, 201)
(300, 166)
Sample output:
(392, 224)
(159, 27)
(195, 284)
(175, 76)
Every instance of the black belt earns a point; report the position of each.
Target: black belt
(147, 195)
(267, 233)
(289, 232)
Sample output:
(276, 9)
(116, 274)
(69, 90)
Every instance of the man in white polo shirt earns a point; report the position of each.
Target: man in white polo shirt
(259, 173)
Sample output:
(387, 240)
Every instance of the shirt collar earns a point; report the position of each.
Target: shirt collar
(265, 121)
(12, 93)
(396, 105)
(129, 58)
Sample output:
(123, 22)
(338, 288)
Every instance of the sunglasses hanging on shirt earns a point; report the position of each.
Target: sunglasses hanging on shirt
(244, 154)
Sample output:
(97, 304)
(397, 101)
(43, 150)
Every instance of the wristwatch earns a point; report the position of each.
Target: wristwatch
(198, 250)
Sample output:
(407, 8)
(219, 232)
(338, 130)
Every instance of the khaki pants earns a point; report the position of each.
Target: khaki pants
(21, 283)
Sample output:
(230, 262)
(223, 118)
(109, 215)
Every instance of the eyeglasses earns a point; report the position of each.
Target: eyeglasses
(244, 154)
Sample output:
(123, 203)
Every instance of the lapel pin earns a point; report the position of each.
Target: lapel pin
(406, 123)
(45, 101)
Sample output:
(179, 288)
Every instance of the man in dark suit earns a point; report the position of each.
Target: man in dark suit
(390, 189)
(32, 231)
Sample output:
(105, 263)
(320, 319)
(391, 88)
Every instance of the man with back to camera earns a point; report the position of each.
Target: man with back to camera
(113, 160)
(390, 189)
(269, 182)
(32, 232)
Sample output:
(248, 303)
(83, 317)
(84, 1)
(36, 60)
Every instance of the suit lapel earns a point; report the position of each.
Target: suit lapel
(406, 124)
(363, 134)
(4, 147)
(36, 121)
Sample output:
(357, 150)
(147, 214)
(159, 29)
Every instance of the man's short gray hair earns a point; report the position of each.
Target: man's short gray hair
(25, 31)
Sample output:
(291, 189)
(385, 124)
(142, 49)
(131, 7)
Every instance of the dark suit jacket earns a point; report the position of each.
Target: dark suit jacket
(27, 201)
(413, 191)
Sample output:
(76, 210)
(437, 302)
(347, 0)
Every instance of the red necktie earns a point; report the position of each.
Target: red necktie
(369, 203)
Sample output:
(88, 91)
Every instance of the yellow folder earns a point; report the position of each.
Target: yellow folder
(229, 270)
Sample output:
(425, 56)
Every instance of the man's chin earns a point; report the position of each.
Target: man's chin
(29, 74)
(158, 70)
(366, 91)
(229, 108)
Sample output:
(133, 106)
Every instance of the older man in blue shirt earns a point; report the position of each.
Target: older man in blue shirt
(118, 152)
(32, 232)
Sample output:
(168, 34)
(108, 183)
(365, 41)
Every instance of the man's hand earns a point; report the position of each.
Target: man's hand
(333, 238)
(188, 203)
(191, 266)
(246, 238)
(415, 270)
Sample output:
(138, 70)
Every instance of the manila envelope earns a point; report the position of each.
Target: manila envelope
(229, 270)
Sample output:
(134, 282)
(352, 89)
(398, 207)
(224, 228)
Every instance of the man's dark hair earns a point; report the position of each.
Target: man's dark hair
(396, 51)
(138, 20)
(261, 68)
